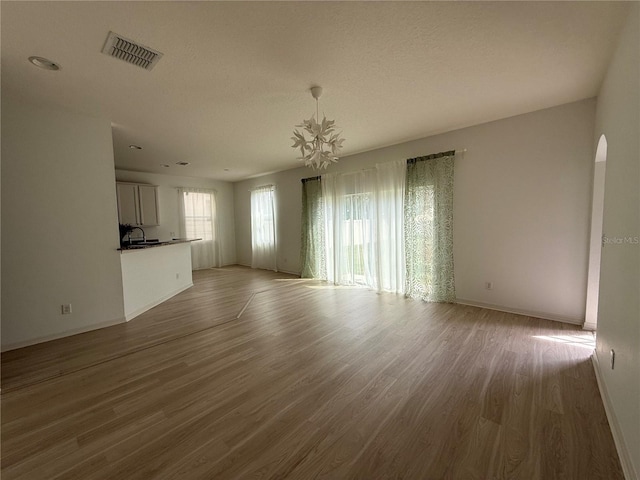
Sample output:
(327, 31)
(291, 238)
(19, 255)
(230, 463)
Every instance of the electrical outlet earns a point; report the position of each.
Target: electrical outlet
(66, 309)
(177, 276)
(488, 285)
(613, 358)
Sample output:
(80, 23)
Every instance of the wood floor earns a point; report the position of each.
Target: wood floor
(311, 381)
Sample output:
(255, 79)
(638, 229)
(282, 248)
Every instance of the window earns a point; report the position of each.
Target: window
(358, 238)
(389, 228)
(198, 215)
(263, 228)
(363, 220)
(198, 220)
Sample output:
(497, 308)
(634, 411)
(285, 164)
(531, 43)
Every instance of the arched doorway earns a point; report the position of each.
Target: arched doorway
(595, 246)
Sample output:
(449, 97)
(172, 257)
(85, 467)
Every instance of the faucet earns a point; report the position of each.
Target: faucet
(144, 236)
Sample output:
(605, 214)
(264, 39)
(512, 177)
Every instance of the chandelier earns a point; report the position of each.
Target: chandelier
(323, 147)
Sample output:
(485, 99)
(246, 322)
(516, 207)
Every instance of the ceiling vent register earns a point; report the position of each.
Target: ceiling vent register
(131, 52)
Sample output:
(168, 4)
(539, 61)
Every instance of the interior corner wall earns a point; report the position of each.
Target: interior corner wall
(521, 209)
(168, 206)
(59, 220)
(618, 118)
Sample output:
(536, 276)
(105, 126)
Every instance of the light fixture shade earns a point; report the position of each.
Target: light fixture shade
(319, 143)
(44, 63)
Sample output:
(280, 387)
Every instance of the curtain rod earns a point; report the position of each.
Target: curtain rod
(270, 185)
(449, 153)
(196, 189)
(426, 157)
(310, 178)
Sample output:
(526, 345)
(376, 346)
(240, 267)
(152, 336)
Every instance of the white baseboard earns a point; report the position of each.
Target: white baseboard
(66, 333)
(279, 270)
(518, 311)
(618, 439)
(289, 273)
(158, 301)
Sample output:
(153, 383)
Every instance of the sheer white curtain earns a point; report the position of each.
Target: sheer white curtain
(263, 228)
(391, 180)
(198, 219)
(364, 227)
(350, 227)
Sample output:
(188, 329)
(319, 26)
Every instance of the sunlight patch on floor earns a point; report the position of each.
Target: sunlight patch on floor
(584, 341)
(335, 287)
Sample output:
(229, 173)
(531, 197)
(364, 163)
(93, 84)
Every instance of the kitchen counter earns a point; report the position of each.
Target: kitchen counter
(145, 245)
(153, 275)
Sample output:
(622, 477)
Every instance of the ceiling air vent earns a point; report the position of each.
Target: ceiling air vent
(130, 51)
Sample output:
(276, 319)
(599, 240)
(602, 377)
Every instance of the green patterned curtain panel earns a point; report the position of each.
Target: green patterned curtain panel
(428, 228)
(313, 249)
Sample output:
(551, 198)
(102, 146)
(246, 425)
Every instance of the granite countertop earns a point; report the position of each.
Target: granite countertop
(156, 243)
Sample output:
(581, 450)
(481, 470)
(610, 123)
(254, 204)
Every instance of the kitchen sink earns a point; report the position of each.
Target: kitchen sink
(149, 241)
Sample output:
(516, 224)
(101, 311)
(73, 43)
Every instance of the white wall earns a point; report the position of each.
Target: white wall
(618, 118)
(58, 216)
(168, 206)
(521, 208)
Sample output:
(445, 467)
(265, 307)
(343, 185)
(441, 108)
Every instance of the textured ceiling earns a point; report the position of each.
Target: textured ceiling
(235, 76)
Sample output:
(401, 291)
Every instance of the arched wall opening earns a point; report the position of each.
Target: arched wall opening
(595, 245)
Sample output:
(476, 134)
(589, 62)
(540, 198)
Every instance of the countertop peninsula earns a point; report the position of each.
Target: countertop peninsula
(155, 243)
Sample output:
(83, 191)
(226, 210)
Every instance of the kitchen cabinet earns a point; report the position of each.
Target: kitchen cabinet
(137, 204)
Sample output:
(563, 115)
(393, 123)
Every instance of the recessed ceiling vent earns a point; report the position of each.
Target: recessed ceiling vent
(130, 51)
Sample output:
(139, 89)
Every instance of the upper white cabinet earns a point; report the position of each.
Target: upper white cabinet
(137, 204)
(148, 196)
